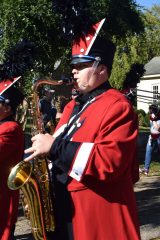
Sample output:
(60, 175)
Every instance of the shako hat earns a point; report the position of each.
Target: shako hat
(90, 47)
(9, 94)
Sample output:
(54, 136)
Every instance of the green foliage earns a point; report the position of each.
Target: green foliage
(146, 120)
(140, 119)
(35, 20)
(122, 16)
(32, 20)
(143, 118)
(137, 48)
(142, 112)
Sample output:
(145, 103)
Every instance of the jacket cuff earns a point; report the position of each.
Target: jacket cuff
(62, 153)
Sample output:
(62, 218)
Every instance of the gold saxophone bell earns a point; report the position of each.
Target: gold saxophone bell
(19, 175)
(22, 177)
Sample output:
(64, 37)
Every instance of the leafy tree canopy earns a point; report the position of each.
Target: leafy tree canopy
(52, 25)
(137, 48)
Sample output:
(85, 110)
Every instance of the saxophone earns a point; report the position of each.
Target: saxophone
(33, 178)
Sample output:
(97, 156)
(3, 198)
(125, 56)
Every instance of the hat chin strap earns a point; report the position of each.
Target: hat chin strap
(96, 62)
(95, 65)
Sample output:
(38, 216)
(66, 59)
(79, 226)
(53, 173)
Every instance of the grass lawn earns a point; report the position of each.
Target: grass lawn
(144, 129)
(154, 168)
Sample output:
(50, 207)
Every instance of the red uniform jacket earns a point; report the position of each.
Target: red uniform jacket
(100, 159)
(11, 152)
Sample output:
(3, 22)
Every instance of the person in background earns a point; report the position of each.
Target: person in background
(154, 137)
(93, 151)
(47, 110)
(11, 152)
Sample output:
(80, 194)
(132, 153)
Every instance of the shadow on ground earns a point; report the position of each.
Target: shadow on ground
(149, 207)
(147, 192)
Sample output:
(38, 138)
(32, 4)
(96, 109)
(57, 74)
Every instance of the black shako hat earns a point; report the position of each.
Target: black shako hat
(9, 94)
(91, 47)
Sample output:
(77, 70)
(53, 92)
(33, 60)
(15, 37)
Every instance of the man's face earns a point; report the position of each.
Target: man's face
(3, 110)
(85, 77)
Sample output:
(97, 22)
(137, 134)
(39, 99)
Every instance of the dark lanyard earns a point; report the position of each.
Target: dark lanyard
(84, 101)
(73, 121)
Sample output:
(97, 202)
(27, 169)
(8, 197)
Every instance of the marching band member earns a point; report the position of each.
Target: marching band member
(11, 152)
(93, 151)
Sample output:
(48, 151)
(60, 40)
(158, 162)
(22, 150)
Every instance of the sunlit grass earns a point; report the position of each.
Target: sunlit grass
(144, 129)
(154, 168)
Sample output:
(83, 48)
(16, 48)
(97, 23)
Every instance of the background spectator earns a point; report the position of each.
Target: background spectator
(48, 110)
(154, 137)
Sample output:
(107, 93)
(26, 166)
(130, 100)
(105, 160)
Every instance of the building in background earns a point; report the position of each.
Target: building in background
(148, 90)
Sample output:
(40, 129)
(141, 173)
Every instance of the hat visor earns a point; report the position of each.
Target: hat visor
(2, 99)
(81, 59)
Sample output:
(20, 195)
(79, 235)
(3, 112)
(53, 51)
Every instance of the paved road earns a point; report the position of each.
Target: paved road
(148, 200)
